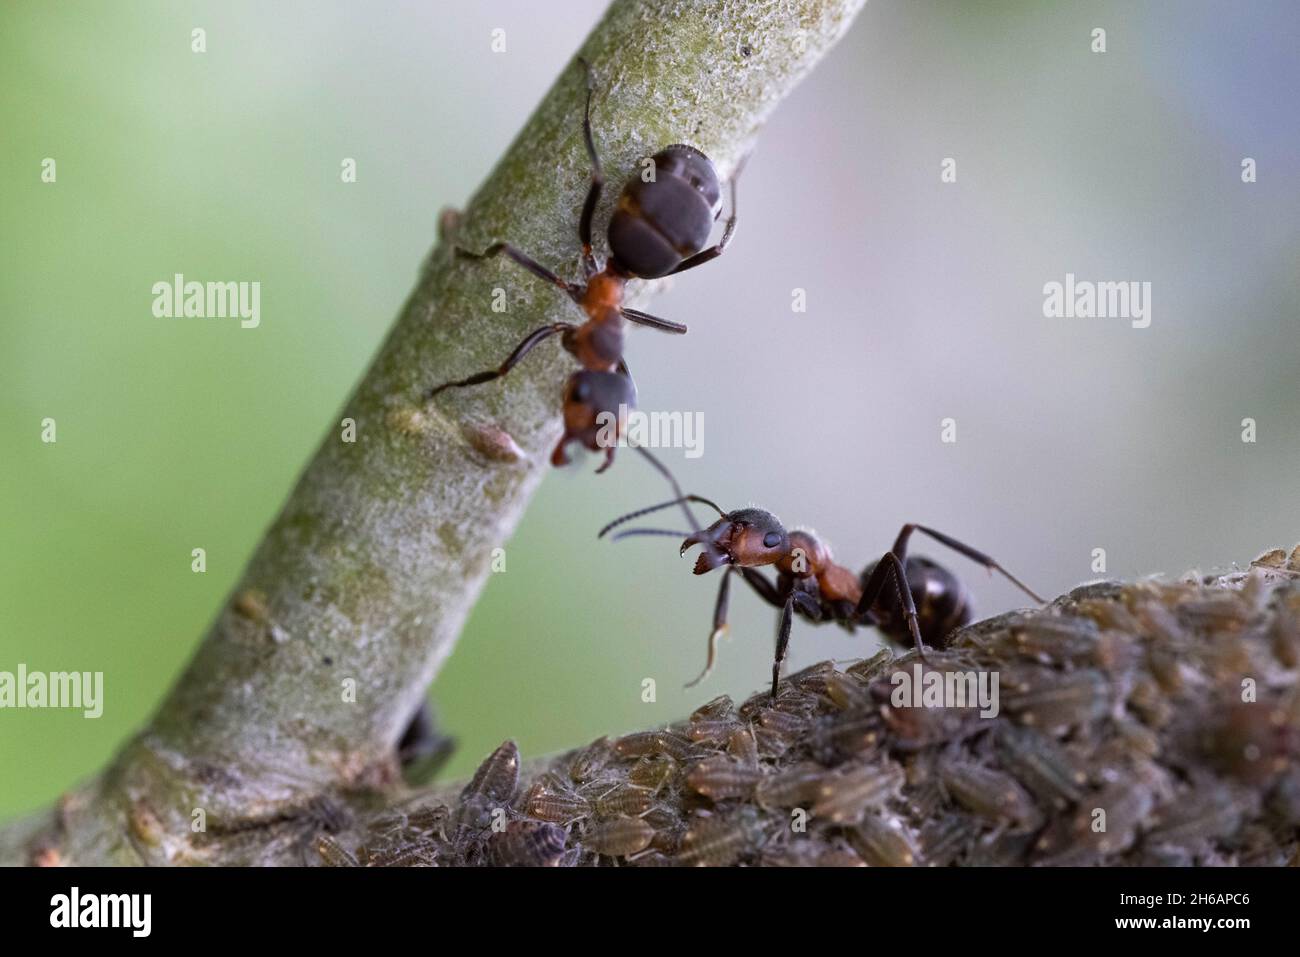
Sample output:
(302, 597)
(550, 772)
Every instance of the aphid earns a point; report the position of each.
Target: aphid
(1110, 613)
(525, 843)
(790, 725)
(810, 582)
(722, 777)
(794, 701)
(420, 853)
(427, 821)
(651, 859)
(714, 734)
(652, 771)
(721, 839)
(770, 743)
(844, 797)
(492, 786)
(1284, 632)
(884, 841)
(945, 839)
(659, 228)
(625, 799)
(333, 854)
(1041, 765)
(925, 793)
(618, 836)
(809, 854)
(813, 678)
(548, 801)
(1208, 811)
(719, 709)
(845, 692)
(921, 727)
(1105, 823)
(840, 736)
(1061, 640)
(990, 794)
(1248, 740)
(796, 785)
(743, 746)
(1214, 610)
(1137, 738)
(655, 742)
(870, 668)
(1147, 699)
(587, 762)
(668, 835)
(1001, 848)
(1108, 591)
(1056, 702)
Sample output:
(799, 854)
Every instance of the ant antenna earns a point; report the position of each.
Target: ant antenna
(680, 500)
(667, 532)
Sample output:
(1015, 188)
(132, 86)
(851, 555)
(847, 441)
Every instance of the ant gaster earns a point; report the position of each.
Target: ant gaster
(809, 581)
(659, 228)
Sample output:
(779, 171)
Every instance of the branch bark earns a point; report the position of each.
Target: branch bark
(370, 569)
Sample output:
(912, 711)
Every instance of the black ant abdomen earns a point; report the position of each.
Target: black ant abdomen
(667, 219)
(942, 602)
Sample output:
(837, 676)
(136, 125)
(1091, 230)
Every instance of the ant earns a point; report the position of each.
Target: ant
(810, 582)
(659, 228)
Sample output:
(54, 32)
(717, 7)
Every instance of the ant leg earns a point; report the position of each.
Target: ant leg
(597, 181)
(808, 605)
(762, 586)
(609, 459)
(782, 642)
(890, 565)
(532, 265)
(623, 370)
(719, 625)
(900, 549)
(708, 255)
(654, 322)
(521, 350)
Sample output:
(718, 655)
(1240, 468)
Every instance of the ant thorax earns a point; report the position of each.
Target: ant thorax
(807, 556)
(603, 297)
(811, 558)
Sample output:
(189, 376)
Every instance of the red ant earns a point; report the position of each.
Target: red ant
(659, 228)
(809, 580)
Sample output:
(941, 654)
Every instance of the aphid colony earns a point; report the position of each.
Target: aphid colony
(1141, 724)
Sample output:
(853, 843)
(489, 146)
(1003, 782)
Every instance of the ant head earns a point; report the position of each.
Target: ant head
(748, 537)
(595, 408)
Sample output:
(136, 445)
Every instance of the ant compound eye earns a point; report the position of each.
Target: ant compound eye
(771, 539)
(582, 390)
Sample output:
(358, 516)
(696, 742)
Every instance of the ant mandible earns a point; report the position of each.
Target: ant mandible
(659, 228)
(810, 582)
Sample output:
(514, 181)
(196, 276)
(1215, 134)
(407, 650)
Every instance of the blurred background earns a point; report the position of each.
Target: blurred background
(924, 301)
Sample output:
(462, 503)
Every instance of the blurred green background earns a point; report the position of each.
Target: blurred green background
(924, 301)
